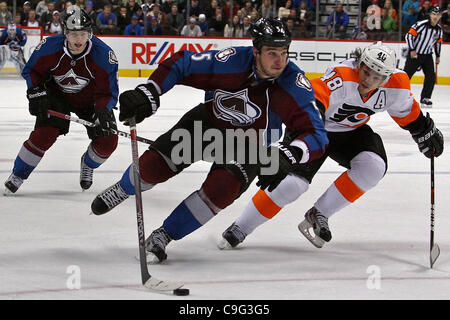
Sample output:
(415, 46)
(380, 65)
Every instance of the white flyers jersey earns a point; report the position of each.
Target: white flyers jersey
(345, 109)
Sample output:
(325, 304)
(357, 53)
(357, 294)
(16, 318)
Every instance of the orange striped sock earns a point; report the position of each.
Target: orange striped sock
(265, 205)
(348, 188)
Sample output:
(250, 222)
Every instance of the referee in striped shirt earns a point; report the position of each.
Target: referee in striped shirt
(421, 38)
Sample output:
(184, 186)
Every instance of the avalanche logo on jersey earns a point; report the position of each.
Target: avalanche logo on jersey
(303, 82)
(235, 107)
(71, 82)
(352, 116)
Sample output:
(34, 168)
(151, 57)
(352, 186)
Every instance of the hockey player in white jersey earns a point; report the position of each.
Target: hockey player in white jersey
(348, 94)
(12, 40)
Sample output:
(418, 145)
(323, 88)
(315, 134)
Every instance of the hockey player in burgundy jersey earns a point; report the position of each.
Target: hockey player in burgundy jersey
(74, 72)
(248, 89)
(348, 94)
(12, 40)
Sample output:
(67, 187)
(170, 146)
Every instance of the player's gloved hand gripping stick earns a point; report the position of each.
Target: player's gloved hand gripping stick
(91, 124)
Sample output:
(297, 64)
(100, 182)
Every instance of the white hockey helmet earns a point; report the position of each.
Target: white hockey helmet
(379, 58)
(12, 29)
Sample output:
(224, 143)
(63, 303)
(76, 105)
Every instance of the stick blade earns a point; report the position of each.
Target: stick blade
(158, 285)
(434, 254)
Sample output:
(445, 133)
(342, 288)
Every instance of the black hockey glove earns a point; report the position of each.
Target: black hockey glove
(140, 103)
(38, 101)
(429, 139)
(107, 122)
(289, 158)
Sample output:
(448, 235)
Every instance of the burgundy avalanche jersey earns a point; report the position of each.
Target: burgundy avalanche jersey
(20, 37)
(236, 98)
(85, 81)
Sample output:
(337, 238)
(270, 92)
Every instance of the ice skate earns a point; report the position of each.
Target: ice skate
(426, 103)
(86, 174)
(319, 223)
(12, 184)
(108, 199)
(155, 246)
(231, 237)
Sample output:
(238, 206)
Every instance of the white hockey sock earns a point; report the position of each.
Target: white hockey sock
(367, 169)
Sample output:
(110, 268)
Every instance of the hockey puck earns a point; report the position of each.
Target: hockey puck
(181, 292)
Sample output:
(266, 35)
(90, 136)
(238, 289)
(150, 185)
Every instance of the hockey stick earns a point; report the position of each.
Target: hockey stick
(434, 248)
(90, 124)
(147, 280)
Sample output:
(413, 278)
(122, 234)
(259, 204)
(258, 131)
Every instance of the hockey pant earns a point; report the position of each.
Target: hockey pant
(425, 61)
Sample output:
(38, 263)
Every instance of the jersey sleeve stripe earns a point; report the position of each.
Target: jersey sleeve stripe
(413, 115)
(413, 32)
(321, 92)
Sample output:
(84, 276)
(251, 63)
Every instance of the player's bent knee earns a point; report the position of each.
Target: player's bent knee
(105, 146)
(153, 167)
(221, 188)
(44, 137)
(367, 169)
(289, 190)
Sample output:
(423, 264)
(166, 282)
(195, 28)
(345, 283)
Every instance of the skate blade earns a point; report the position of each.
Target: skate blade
(7, 192)
(304, 228)
(223, 244)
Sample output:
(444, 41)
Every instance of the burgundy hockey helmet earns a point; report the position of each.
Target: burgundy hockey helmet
(77, 19)
(270, 32)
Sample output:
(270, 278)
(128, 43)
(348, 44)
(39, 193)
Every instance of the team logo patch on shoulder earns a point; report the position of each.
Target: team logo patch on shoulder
(40, 44)
(112, 57)
(224, 54)
(303, 82)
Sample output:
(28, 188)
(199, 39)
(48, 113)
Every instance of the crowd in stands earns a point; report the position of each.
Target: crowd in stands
(379, 20)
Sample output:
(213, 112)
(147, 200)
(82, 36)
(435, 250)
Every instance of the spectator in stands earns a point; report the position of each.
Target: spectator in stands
(360, 32)
(140, 13)
(337, 23)
(295, 31)
(41, 7)
(93, 15)
(414, 4)
(191, 29)
(63, 8)
(123, 20)
(204, 27)
(248, 7)
(107, 21)
(54, 26)
(283, 11)
(166, 6)
(154, 28)
(32, 21)
(18, 19)
(233, 29)
(217, 24)
(227, 8)
(424, 12)
(210, 10)
(266, 9)
(176, 20)
(388, 6)
(432, 3)
(409, 19)
(134, 28)
(254, 15)
(132, 7)
(305, 16)
(309, 3)
(246, 27)
(388, 23)
(5, 15)
(445, 24)
(195, 10)
(47, 16)
(26, 7)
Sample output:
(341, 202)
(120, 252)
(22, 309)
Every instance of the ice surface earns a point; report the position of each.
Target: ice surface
(47, 234)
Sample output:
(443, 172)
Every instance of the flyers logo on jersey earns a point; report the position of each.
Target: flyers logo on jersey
(352, 116)
(303, 82)
(235, 107)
